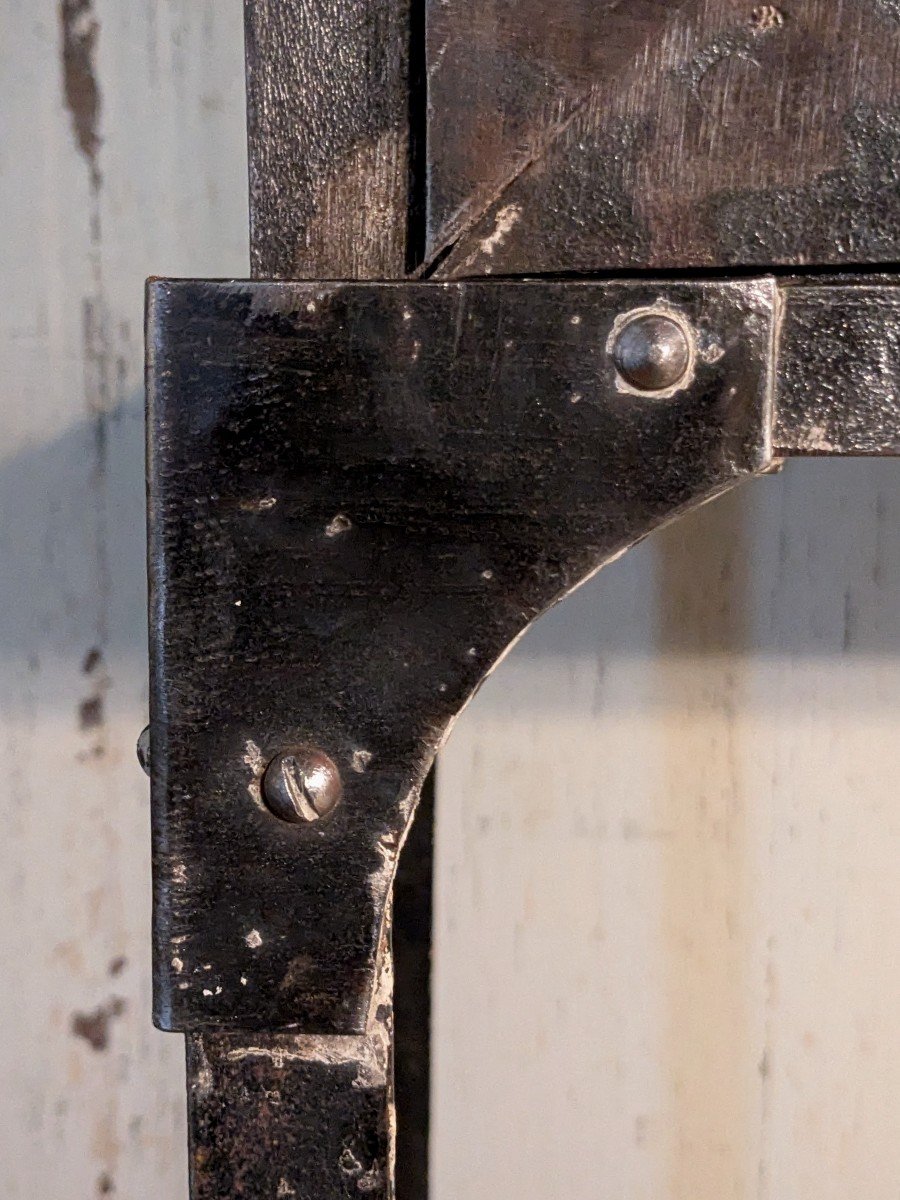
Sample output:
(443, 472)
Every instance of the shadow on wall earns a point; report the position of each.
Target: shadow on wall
(72, 545)
(805, 563)
(666, 823)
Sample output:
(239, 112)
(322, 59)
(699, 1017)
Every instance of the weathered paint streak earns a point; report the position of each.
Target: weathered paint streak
(95, 1027)
(159, 96)
(80, 30)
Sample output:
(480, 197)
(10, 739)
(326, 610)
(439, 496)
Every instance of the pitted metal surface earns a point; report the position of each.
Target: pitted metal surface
(387, 484)
(839, 370)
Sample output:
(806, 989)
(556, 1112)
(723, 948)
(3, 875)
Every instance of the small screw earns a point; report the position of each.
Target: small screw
(143, 749)
(652, 352)
(301, 785)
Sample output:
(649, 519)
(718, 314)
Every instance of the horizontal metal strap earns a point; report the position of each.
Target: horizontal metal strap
(838, 370)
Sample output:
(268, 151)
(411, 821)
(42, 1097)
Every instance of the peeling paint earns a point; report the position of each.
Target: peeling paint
(92, 660)
(94, 1027)
(203, 1076)
(90, 713)
(264, 504)
(815, 440)
(80, 30)
(765, 17)
(504, 223)
(380, 879)
(357, 1051)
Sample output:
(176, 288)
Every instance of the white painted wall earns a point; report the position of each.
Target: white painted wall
(78, 1122)
(668, 895)
(668, 927)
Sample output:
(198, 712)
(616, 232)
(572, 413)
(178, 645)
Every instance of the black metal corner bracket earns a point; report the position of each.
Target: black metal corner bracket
(359, 496)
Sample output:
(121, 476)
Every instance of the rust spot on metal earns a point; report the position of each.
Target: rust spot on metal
(118, 965)
(105, 1185)
(94, 1026)
(80, 30)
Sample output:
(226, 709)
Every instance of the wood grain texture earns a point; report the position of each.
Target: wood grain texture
(328, 117)
(123, 155)
(288, 1115)
(704, 132)
(666, 896)
(328, 125)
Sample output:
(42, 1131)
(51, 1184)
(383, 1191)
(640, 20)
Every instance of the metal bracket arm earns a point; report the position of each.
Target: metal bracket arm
(359, 496)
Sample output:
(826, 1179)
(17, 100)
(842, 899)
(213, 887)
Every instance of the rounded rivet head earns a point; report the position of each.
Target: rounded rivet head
(652, 352)
(301, 786)
(143, 749)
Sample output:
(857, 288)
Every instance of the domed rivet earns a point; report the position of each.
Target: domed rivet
(652, 352)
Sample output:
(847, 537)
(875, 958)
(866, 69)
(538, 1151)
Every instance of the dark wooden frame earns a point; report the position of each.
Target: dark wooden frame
(339, 159)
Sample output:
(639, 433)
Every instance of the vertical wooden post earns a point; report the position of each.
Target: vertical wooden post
(328, 127)
(332, 120)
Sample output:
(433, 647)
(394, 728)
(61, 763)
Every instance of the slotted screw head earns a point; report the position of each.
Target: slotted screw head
(301, 786)
(652, 352)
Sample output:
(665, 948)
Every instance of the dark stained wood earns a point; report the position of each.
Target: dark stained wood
(328, 119)
(572, 135)
(329, 147)
(283, 1116)
(518, 71)
(564, 135)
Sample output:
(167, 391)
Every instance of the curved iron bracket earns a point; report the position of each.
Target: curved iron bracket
(359, 496)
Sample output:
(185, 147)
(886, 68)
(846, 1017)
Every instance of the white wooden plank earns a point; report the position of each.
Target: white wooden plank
(667, 894)
(165, 193)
